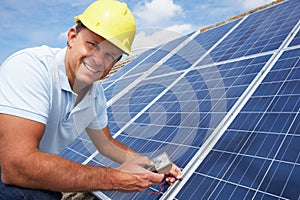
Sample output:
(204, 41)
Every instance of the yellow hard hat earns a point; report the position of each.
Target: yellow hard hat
(111, 20)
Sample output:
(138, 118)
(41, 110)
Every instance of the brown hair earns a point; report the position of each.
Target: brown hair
(79, 26)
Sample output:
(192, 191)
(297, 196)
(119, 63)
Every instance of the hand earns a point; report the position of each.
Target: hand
(134, 166)
(173, 175)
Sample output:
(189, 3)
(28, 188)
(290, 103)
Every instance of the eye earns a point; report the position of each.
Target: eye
(110, 57)
(92, 44)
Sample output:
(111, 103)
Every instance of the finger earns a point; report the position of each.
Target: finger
(144, 160)
(155, 178)
(175, 171)
(171, 179)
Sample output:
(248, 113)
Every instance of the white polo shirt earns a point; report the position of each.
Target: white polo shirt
(34, 85)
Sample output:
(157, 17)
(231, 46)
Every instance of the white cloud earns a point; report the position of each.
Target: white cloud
(181, 28)
(156, 11)
(152, 37)
(63, 36)
(248, 5)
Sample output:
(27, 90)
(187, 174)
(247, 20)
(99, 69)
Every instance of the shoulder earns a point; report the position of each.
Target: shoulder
(40, 54)
(39, 51)
(36, 60)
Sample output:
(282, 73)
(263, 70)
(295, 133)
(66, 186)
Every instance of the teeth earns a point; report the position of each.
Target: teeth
(89, 68)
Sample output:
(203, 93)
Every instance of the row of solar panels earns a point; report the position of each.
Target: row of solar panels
(223, 103)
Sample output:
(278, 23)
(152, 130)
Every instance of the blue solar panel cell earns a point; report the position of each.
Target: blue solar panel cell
(176, 63)
(275, 122)
(246, 171)
(208, 38)
(285, 104)
(258, 104)
(278, 176)
(295, 73)
(189, 192)
(250, 143)
(292, 183)
(246, 121)
(192, 51)
(295, 127)
(290, 149)
(114, 88)
(266, 89)
(296, 40)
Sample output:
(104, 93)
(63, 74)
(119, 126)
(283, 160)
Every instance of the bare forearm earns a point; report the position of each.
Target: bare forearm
(51, 172)
(119, 152)
(24, 165)
(110, 147)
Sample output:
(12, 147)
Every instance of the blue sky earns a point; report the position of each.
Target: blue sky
(31, 23)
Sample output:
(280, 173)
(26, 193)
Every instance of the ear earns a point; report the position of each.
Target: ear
(71, 36)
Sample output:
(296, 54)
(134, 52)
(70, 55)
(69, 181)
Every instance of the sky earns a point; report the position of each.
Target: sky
(32, 23)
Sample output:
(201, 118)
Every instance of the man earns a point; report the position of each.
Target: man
(48, 96)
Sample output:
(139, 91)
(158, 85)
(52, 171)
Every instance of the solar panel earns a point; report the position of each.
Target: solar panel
(261, 32)
(223, 103)
(258, 155)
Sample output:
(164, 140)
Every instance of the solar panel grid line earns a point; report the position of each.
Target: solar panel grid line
(216, 135)
(192, 36)
(90, 157)
(223, 179)
(170, 86)
(123, 75)
(277, 152)
(166, 74)
(210, 142)
(218, 39)
(176, 81)
(298, 154)
(162, 93)
(291, 36)
(250, 156)
(296, 36)
(153, 68)
(292, 47)
(72, 150)
(236, 59)
(101, 196)
(237, 185)
(253, 39)
(289, 125)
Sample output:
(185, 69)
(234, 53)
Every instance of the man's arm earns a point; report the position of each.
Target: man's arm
(22, 164)
(110, 147)
(120, 153)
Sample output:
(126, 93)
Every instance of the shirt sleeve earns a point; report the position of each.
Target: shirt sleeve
(25, 87)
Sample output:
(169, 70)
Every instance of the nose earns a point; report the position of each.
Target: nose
(98, 58)
(101, 58)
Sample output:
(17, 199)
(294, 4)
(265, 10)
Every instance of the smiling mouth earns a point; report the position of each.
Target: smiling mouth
(90, 68)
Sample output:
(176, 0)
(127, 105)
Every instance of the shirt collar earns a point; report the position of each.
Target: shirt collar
(65, 85)
(63, 78)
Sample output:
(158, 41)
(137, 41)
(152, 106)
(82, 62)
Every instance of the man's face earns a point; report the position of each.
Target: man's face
(90, 57)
